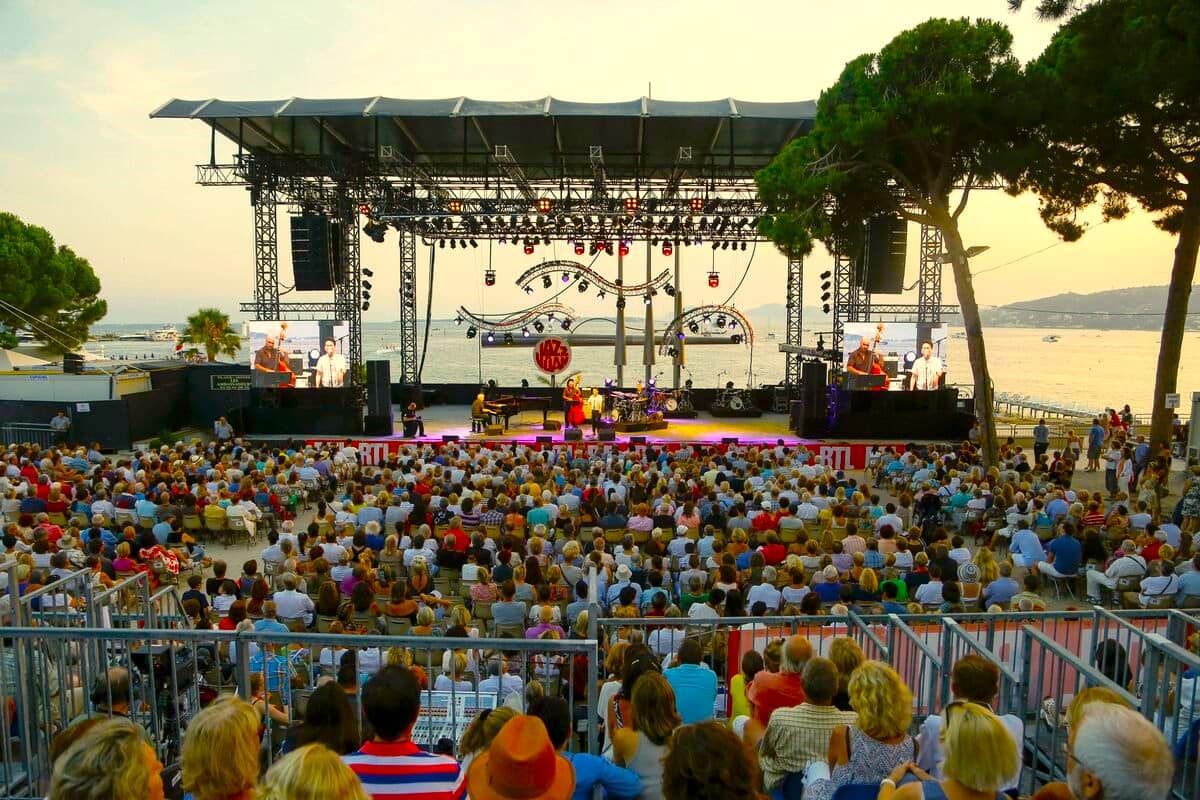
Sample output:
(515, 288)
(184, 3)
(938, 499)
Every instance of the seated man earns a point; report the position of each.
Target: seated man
(1127, 565)
(414, 426)
(1157, 589)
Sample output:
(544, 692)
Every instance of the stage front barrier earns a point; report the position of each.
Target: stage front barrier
(47, 675)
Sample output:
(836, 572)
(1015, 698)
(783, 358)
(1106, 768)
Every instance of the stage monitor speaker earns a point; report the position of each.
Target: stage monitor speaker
(379, 388)
(637, 439)
(72, 363)
(887, 241)
(608, 435)
(378, 425)
(552, 425)
(729, 440)
(449, 437)
(572, 435)
(544, 439)
(312, 259)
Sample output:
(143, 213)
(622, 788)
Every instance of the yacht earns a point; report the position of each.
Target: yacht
(166, 333)
(1051, 338)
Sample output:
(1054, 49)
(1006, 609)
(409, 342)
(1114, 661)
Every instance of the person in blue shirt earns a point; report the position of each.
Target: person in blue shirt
(1189, 586)
(891, 594)
(1002, 590)
(695, 685)
(145, 508)
(1065, 554)
(590, 771)
(1095, 442)
(1026, 547)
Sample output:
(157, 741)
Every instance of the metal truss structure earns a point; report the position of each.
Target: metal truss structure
(795, 321)
(585, 277)
(696, 320)
(408, 307)
(929, 279)
(555, 313)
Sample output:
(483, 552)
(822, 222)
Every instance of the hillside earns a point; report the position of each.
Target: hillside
(1136, 308)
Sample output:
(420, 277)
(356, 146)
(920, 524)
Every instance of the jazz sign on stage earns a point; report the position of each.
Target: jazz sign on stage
(552, 355)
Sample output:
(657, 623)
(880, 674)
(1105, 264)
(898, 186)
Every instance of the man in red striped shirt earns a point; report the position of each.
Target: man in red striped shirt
(390, 766)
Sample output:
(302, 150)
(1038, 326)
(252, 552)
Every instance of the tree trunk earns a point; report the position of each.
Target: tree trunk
(1183, 271)
(985, 408)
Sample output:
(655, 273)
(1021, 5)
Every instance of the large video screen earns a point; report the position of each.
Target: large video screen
(301, 355)
(901, 346)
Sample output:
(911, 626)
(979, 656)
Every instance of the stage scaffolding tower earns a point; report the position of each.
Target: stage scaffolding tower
(795, 322)
(929, 281)
(266, 252)
(347, 293)
(408, 307)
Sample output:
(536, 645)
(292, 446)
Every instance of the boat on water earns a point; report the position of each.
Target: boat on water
(1051, 338)
(137, 336)
(388, 348)
(166, 333)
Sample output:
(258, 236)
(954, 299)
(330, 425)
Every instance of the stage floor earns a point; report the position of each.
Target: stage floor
(456, 421)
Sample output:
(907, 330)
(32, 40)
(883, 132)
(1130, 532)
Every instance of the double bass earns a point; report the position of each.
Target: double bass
(876, 361)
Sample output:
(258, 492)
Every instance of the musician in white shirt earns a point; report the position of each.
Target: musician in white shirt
(331, 367)
(926, 372)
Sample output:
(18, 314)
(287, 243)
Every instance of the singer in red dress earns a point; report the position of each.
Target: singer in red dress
(573, 399)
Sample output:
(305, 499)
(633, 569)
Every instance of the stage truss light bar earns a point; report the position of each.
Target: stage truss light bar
(583, 273)
(517, 322)
(694, 318)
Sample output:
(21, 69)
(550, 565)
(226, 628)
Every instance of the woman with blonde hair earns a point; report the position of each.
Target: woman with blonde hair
(874, 745)
(989, 568)
(220, 751)
(979, 754)
(313, 772)
(479, 734)
(642, 745)
(110, 762)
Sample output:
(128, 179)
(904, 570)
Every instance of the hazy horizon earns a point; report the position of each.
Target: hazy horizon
(78, 81)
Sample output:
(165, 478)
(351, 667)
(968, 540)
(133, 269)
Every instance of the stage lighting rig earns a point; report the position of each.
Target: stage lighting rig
(454, 206)
(525, 332)
(714, 279)
(697, 204)
(624, 248)
(545, 205)
(579, 249)
(508, 338)
(489, 277)
(539, 326)
(631, 205)
(666, 248)
(471, 332)
(528, 247)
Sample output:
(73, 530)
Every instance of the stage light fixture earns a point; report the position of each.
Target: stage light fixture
(736, 338)
(528, 288)
(680, 336)
(366, 306)
(365, 210)
(714, 279)
(550, 316)
(525, 332)
(566, 278)
(651, 382)
(579, 249)
(720, 320)
(491, 337)
(367, 285)
(697, 204)
(366, 271)
(732, 324)
(672, 352)
(538, 325)
(546, 240)
(566, 324)
(670, 290)
(647, 299)
(743, 247)
(608, 249)
(455, 206)
(631, 204)
(716, 245)
(583, 286)
(825, 296)
(442, 243)
(474, 243)
(825, 308)
(452, 244)
(825, 275)
(620, 302)
(508, 338)
(910, 358)
(825, 286)
(489, 277)
(666, 248)
(820, 342)
(545, 205)
(545, 281)
(693, 327)
(458, 320)
(528, 248)
(724, 245)
(624, 249)
(471, 332)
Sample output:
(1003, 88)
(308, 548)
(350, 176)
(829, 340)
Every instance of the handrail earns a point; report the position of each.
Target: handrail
(860, 624)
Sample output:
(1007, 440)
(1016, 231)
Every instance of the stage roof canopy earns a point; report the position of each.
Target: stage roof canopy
(635, 137)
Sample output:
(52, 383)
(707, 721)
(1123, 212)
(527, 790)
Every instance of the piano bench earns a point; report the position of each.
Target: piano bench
(494, 429)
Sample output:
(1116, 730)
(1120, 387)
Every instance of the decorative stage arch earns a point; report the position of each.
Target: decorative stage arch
(554, 312)
(690, 321)
(584, 276)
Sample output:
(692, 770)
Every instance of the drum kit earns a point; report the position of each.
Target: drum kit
(633, 407)
(733, 399)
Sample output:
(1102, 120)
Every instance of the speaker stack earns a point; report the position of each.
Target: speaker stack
(379, 421)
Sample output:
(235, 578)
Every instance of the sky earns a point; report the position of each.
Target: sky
(80, 156)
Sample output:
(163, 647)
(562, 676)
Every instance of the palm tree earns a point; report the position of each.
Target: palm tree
(209, 328)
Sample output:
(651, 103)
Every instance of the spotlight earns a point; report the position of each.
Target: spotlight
(647, 298)
(732, 324)
(525, 332)
(368, 272)
(454, 206)
(474, 243)
(489, 277)
(743, 247)
(566, 278)
(825, 308)
(714, 279)
(579, 248)
(452, 244)
(825, 275)
(471, 332)
(693, 327)
(442, 243)
(544, 205)
(651, 382)
(824, 296)
(550, 316)
(538, 326)
(716, 245)
(680, 336)
(491, 337)
(624, 248)
(365, 210)
(825, 286)
(672, 351)
(724, 245)
(458, 320)
(736, 338)
(620, 302)
(566, 324)
(608, 249)
(720, 320)
(463, 244)
(508, 338)
(528, 288)
(601, 294)
(697, 204)
(366, 306)
(666, 248)
(631, 204)
(546, 240)
(910, 358)
(670, 290)
(528, 248)
(367, 285)
(545, 281)
(583, 286)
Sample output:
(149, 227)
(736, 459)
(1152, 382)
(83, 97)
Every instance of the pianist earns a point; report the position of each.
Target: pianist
(482, 414)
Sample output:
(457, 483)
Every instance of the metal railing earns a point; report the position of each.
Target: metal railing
(39, 434)
(919, 665)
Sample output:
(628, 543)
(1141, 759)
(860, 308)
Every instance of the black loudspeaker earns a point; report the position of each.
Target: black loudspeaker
(637, 439)
(608, 435)
(729, 440)
(316, 253)
(72, 363)
(449, 437)
(378, 425)
(887, 240)
(379, 391)
(544, 439)
(572, 435)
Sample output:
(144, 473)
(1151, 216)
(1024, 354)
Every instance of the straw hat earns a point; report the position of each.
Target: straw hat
(521, 763)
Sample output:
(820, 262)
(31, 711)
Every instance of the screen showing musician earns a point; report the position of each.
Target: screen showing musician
(926, 372)
(864, 358)
(308, 354)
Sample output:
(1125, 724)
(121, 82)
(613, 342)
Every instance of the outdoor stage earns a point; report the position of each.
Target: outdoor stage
(705, 430)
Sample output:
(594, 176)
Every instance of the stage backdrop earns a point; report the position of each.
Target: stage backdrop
(314, 351)
(898, 341)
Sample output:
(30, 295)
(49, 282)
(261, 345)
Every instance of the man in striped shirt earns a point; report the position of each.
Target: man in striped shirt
(390, 766)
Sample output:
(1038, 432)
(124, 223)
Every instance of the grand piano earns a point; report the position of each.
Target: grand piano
(508, 406)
